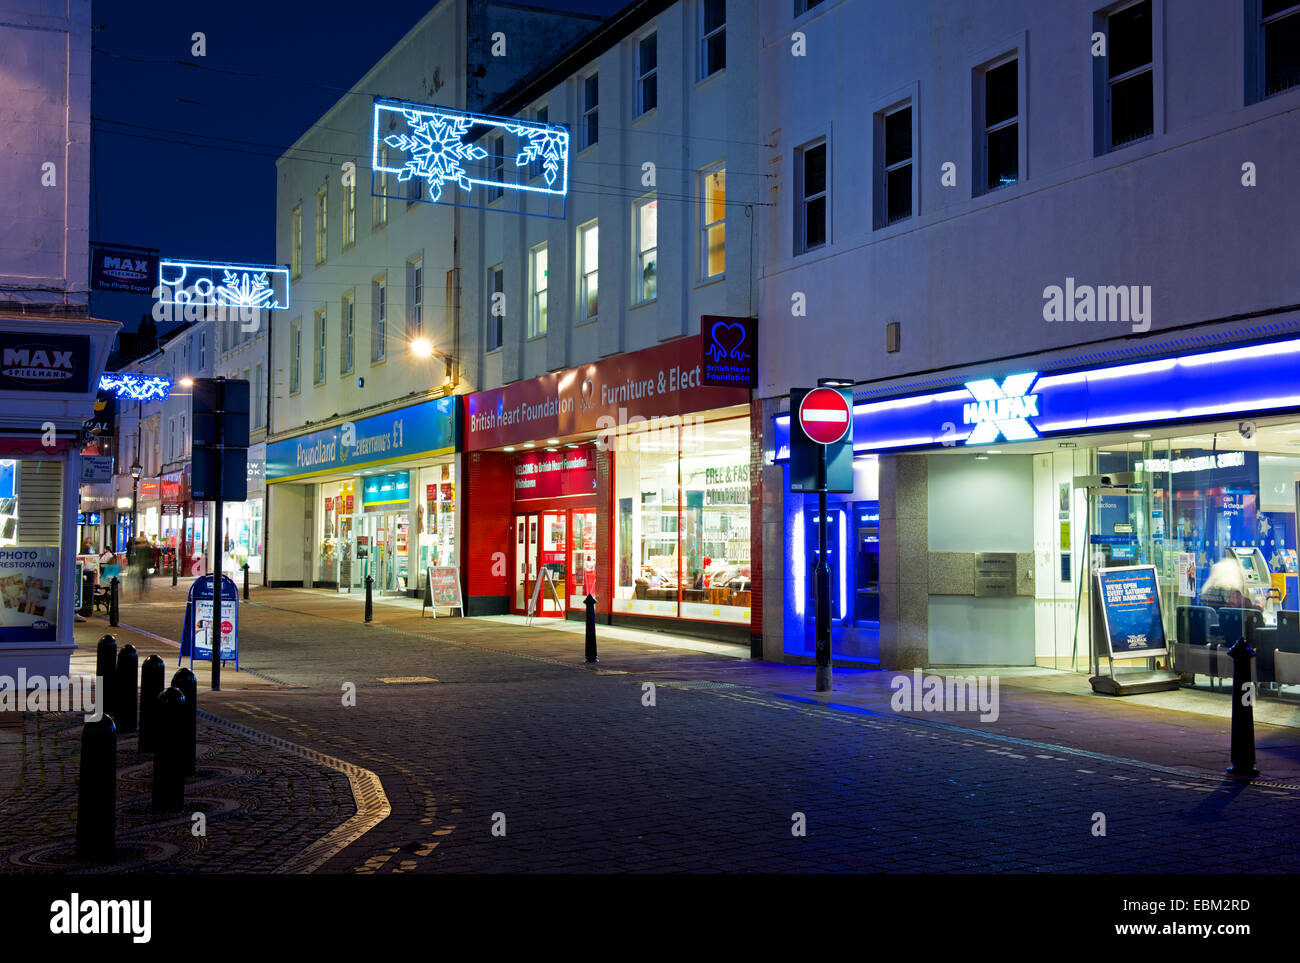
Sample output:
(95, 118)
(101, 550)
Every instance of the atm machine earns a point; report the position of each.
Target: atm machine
(1257, 581)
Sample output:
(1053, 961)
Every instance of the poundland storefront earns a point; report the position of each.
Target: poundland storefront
(985, 507)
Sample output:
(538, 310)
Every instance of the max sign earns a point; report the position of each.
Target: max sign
(58, 363)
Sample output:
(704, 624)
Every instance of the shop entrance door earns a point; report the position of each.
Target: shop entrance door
(541, 545)
(582, 567)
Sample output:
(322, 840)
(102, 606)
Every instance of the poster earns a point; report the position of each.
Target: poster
(29, 595)
(1129, 601)
(1186, 575)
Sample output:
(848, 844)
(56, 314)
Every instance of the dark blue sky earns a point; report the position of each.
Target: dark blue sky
(184, 148)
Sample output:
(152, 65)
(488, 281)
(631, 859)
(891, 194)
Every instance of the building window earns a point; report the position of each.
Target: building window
(803, 6)
(347, 321)
(535, 169)
(171, 438)
(379, 206)
(257, 402)
(295, 242)
(203, 353)
(713, 37)
(647, 70)
(322, 211)
(497, 150)
(999, 160)
(589, 261)
(538, 283)
(894, 165)
(590, 110)
(415, 298)
(1280, 45)
(378, 318)
(713, 223)
(810, 212)
(645, 246)
(295, 357)
(318, 370)
(496, 307)
(1130, 76)
(349, 215)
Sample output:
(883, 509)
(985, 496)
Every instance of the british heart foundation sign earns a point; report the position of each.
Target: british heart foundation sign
(730, 347)
(555, 474)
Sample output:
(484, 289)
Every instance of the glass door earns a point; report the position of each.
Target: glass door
(523, 570)
(554, 542)
(582, 567)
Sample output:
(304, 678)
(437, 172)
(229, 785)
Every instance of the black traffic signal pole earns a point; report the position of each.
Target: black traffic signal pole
(217, 543)
(823, 581)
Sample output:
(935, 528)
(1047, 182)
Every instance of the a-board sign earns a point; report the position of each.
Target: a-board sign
(1128, 604)
(537, 592)
(442, 589)
(200, 630)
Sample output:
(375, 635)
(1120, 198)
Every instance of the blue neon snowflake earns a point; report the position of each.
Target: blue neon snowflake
(435, 143)
(244, 289)
(550, 144)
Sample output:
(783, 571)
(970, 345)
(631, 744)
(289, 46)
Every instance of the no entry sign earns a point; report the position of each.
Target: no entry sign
(825, 416)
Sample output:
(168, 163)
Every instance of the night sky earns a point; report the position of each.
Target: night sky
(184, 148)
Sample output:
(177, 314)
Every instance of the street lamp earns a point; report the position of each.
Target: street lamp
(136, 472)
(423, 348)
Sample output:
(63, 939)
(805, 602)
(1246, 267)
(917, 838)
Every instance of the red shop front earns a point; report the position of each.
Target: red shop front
(625, 479)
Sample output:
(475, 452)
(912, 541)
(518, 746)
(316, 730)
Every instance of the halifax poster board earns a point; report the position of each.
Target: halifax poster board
(1132, 621)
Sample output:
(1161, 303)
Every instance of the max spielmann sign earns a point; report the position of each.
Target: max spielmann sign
(121, 268)
(44, 362)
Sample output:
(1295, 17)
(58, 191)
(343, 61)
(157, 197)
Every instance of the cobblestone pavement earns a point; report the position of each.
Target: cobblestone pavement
(575, 772)
(262, 805)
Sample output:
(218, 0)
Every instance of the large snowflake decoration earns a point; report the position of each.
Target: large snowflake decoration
(245, 289)
(437, 150)
(550, 144)
(134, 386)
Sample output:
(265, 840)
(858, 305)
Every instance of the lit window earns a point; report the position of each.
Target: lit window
(713, 226)
(645, 217)
(589, 248)
(322, 211)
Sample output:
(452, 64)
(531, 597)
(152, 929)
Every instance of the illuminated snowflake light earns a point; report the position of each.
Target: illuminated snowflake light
(262, 286)
(136, 387)
(443, 148)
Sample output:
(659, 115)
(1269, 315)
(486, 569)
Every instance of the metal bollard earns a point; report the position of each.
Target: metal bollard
(125, 681)
(87, 594)
(176, 566)
(1243, 713)
(185, 681)
(105, 669)
(112, 600)
(97, 792)
(590, 602)
(151, 687)
(245, 581)
(370, 605)
(168, 758)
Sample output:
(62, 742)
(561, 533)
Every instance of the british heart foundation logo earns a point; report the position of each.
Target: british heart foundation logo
(727, 341)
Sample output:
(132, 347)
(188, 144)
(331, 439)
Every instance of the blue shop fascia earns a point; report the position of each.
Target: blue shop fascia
(372, 497)
(985, 502)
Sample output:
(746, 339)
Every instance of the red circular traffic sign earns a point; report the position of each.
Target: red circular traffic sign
(825, 415)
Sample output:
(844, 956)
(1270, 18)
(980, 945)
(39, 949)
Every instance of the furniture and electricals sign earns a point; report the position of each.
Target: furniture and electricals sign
(415, 431)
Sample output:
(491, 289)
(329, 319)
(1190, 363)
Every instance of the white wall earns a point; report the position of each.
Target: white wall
(981, 506)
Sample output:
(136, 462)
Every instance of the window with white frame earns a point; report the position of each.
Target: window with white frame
(349, 215)
(295, 357)
(497, 154)
(893, 165)
(811, 205)
(713, 222)
(171, 438)
(295, 242)
(1279, 45)
(999, 124)
(538, 284)
(322, 212)
(647, 73)
(347, 320)
(415, 298)
(713, 37)
(379, 204)
(589, 267)
(318, 370)
(496, 308)
(1130, 75)
(590, 110)
(378, 318)
(645, 248)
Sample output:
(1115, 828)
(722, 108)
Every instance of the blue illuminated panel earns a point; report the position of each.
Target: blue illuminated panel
(1233, 381)
(136, 387)
(445, 149)
(250, 286)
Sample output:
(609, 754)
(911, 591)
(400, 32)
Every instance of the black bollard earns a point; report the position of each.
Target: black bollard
(590, 602)
(1243, 713)
(151, 687)
(105, 669)
(125, 680)
(245, 581)
(370, 605)
(87, 594)
(112, 600)
(168, 757)
(176, 566)
(185, 681)
(97, 792)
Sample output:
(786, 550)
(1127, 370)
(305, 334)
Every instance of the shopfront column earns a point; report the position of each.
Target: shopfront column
(904, 562)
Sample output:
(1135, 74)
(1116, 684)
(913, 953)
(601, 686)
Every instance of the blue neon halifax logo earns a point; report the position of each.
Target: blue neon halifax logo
(1001, 411)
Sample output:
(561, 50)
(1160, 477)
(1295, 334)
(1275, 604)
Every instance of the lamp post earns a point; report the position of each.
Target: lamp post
(136, 472)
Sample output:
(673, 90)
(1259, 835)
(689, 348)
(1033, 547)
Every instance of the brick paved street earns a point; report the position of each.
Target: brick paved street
(709, 779)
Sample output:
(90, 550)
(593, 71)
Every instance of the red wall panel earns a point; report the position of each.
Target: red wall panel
(488, 518)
